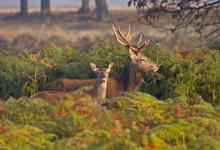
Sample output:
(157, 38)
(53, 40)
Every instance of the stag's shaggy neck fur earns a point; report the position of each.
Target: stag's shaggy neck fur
(130, 78)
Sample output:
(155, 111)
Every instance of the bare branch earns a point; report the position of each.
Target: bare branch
(202, 15)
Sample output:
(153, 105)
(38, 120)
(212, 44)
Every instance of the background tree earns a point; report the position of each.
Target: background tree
(24, 7)
(102, 10)
(85, 8)
(202, 15)
(45, 7)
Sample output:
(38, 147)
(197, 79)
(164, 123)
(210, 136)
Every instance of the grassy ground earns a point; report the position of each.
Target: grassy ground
(81, 31)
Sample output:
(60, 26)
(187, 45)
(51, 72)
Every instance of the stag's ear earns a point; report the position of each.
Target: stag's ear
(110, 67)
(93, 67)
(133, 53)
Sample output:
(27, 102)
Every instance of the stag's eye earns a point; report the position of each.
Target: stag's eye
(143, 60)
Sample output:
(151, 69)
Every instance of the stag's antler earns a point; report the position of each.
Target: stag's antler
(120, 37)
(126, 40)
(146, 43)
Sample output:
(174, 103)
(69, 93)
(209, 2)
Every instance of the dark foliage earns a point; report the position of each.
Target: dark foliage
(198, 14)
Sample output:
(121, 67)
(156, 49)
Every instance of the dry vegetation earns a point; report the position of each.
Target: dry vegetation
(80, 31)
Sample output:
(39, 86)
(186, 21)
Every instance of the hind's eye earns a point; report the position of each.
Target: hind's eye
(142, 59)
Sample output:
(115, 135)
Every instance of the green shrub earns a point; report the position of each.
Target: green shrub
(28, 112)
(196, 76)
(134, 121)
(24, 137)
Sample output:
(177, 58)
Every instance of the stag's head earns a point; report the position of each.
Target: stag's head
(137, 58)
(102, 73)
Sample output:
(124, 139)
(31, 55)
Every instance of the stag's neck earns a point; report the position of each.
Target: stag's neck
(131, 78)
(100, 89)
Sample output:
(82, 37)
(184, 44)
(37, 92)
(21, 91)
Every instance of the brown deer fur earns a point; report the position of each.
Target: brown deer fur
(69, 84)
(98, 91)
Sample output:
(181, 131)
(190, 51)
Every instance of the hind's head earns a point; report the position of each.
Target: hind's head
(102, 73)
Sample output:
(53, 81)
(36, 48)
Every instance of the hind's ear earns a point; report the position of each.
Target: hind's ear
(110, 67)
(93, 67)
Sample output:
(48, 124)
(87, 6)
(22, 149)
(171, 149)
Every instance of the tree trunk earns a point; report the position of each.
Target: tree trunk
(24, 7)
(102, 12)
(45, 7)
(85, 7)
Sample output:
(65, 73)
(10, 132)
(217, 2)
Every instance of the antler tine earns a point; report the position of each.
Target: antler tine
(140, 39)
(116, 36)
(119, 35)
(129, 33)
(122, 35)
(146, 43)
(126, 40)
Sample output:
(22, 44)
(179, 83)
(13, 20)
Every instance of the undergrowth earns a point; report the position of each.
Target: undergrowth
(195, 76)
(134, 121)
